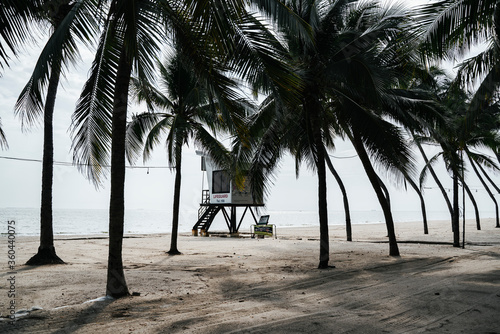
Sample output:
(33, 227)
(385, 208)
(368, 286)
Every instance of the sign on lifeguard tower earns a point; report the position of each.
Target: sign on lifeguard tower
(222, 193)
(222, 189)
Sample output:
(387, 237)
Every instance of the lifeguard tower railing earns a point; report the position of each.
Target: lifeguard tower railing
(207, 213)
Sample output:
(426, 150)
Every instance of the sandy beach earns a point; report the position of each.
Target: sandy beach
(245, 285)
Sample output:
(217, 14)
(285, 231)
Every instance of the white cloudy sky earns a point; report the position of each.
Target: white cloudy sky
(20, 182)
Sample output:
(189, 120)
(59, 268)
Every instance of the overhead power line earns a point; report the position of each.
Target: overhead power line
(71, 164)
(349, 157)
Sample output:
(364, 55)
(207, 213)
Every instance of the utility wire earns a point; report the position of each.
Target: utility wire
(70, 164)
(350, 157)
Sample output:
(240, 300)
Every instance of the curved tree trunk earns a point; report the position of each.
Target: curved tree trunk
(422, 203)
(486, 187)
(116, 285)
(474, 204)
(374, 180)
(385, 190)
(177, 196)
(436, 179)
(344, 196)
(46, 251)
(489, 178)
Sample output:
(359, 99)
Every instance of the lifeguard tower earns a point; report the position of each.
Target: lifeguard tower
(222, 196)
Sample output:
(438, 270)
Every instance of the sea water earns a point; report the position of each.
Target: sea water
(142, 221)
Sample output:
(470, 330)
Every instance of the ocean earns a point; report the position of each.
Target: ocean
(142, 221)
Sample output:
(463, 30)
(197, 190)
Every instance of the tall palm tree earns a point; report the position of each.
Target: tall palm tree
(130, 43)
(457, 137)
(347, 84)
(70, 21)
(186, 110)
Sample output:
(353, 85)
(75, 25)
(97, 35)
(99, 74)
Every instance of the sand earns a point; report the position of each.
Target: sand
(244, 285)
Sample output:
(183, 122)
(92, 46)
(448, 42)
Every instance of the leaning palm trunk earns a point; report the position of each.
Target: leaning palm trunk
(436, 179)
(344, 196)
(422, 204)
(474, 204)
(374, 180)
(46, 251)
(486, 188)
(177, 195)
(116, 285)
(387, 196)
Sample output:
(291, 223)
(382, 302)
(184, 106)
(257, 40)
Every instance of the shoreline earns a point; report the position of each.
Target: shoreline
(224, 285)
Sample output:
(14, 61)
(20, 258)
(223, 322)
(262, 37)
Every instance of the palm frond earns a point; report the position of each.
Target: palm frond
(455, 25)
(16, 17)
(3, 140)
(91, 121)
(79, 23)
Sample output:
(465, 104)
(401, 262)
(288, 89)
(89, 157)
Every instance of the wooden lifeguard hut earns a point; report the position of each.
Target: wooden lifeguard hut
(222, 196)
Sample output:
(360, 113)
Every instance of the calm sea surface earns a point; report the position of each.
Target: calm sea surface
(94, 221)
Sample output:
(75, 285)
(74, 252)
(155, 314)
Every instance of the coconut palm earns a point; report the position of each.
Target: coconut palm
(185, 111)
(458, 137)
(452, 28)
(70, 21)
(130, 42)
(347, 90)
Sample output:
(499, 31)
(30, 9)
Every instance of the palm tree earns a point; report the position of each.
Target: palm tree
(339, 98)
(458, 137)
(187, 111)
(452, 28)
(130, 43)
(69, 21)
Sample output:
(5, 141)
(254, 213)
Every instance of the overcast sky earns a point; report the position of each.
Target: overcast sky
(20, 181)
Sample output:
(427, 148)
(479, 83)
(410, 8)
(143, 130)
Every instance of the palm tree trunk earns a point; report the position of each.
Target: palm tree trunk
(324, 249)
(385, 190)
(374, 180)
(422, 203)
(486, 188)
(46, 251)
(344, 196)
(455, 223)
(313, 109)
(116, 285)
(177, 195)
(489, 179)
(474, 204)
(436, 179)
